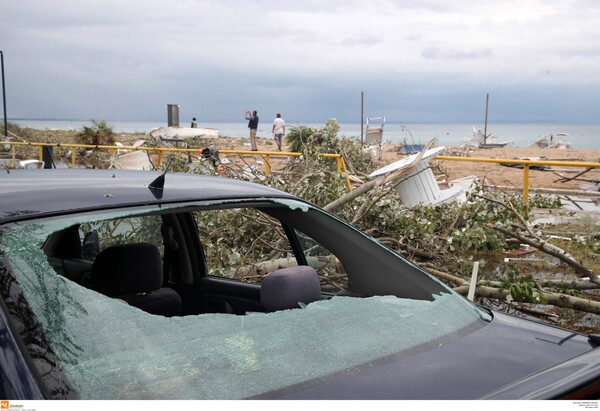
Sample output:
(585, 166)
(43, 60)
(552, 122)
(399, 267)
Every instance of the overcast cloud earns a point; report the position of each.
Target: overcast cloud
(415, 60)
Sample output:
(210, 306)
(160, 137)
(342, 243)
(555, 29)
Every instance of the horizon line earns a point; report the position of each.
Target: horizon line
(14, 119)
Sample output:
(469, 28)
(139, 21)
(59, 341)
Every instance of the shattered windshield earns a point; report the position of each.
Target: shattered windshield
(111, 350)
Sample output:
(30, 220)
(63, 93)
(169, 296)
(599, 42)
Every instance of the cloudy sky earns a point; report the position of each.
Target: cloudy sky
(415, 60)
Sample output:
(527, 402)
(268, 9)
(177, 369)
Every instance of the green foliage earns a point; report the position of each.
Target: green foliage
(299, 138)
(233, 238)
(317, 178)
(358, 161)
(127, 230)
(325, 140)
(544, 201)
(310, 141)
(451, 232)
(523, 289)
(100, 133)
(568, 289)
(176, 163)
(314, 177)
(320, 187)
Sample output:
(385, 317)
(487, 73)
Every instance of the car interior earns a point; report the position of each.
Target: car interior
(184, 263)
(171, 279)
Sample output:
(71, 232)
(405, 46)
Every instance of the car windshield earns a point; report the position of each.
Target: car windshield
(112, 350)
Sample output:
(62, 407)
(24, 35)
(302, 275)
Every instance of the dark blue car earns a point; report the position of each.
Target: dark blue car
(134, 285)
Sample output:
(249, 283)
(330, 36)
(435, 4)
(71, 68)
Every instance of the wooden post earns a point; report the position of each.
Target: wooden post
(473, 284)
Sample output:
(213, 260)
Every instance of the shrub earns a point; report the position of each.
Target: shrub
(99, 134)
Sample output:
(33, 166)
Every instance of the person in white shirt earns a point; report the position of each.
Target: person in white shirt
(278, 130)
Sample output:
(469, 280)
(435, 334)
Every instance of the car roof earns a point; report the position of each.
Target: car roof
(26, 194)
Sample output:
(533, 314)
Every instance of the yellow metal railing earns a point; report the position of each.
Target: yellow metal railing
(526, 164)
(341, 164)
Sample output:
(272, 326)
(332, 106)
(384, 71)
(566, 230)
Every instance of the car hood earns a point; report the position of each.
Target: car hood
(469, 367)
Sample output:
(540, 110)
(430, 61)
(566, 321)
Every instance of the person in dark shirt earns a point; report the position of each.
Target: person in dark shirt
(194, 123)
(253, 126)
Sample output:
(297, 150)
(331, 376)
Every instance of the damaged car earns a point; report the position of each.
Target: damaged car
(139, 285)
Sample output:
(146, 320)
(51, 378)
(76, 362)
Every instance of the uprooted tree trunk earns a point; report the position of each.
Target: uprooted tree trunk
(357, 192)
(556, 299)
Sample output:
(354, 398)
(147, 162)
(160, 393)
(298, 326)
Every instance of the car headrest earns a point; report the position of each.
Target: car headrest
(286, 288)
(127, 269)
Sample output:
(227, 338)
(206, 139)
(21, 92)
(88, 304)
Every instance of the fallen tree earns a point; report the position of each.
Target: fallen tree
(447, 235)
(499, 292)
(556, 299)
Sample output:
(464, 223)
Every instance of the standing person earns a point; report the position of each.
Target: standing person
(278, 130)
(194, 123)
(253, 126)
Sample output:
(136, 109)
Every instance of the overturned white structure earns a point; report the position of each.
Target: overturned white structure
(418, 185)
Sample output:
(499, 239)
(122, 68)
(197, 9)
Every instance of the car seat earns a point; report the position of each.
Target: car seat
(133, 273)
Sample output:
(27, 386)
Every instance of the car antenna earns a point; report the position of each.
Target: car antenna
(159, 182)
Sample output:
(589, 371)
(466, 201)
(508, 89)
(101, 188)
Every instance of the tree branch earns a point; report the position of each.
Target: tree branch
(543, 246)
(556, 299)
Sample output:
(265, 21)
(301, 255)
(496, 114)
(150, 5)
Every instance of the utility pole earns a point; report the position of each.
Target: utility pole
(4, 96)
(485, 136)
(362, 117)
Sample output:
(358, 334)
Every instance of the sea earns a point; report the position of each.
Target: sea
(585, 136)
